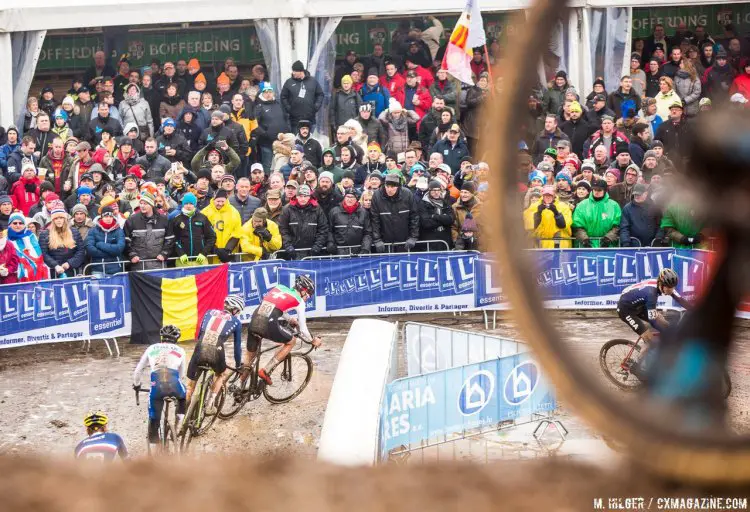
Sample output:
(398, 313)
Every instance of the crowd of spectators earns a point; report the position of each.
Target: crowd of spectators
(184, 164)
(178, 163)
(596, 170)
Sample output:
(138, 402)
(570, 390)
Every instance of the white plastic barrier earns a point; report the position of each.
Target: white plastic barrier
(351, 425)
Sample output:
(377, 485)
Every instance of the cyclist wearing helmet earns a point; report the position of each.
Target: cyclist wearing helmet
(167, 363)
(637, 304)
(271, 321)
(100, 444)
(217, 327)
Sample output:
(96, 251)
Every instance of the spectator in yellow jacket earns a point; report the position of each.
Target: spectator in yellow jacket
(260, 236)
(549, 217)
(227, 224)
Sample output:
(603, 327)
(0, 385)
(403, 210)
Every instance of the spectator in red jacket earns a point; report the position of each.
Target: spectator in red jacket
(25, 192)
(392, 80)
(425, 75)
(8, 260)
(741, 84)
(414, 96)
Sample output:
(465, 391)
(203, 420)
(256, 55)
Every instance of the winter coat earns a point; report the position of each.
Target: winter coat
(153, 166)
(245, 208)
(475, 98)
(679, 221)
(446, 89)
(344, 106)
(462, 210)
(243, 144)
(251, 243)
(594, 117)
(301, 99)
(621, 192)
(374, 130)
(544, 141)
(378, 96)
(597, 139)
(553, 98)
(193, 235)
(31, 266)
(25, 194)
(578, 133)
(425, 100)
(394, 219)
(664, 101)
(652, 83)
(5, 151)
(350, 229)
(105, 245)
(546, 223)
(9, 258)
(435, 222)
(452, 154)
(191, 131)
(98, 124)
(303, 227)
(430, 121)
(43, 139)
(217, 133)
(617, 98)
(74, 257)
(676, 140)
(313, 150)
(229, 159)
(226, 223)
(176, 141)
(740, 85)
(594, 219)
(640, 221)
(272, 120)
(398, 131)
(393, 84)
(689, 90)
(148, 237)
(246, 120)
(137, 112)
(639, 81)
(15, 164)
(58, 170)
(84, 227)
(329, 201)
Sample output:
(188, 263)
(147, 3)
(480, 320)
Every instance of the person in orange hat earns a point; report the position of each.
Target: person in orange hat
(223, 84)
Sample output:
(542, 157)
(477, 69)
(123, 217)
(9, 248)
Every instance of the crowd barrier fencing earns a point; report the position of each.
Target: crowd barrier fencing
(123, 264)
(376, 285)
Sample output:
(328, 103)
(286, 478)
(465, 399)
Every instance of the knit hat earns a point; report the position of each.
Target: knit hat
(574, 162)
(372, 71)
(374, 145)
(168, 122)
(203, 173)
(622, 148)
(375, 174)
(721, 53)
(189, 198)
(576, 107)
(434, 184)
(469, 186)
(599, 81)
(47, 186)
(106, 201)
(273, 194)
(260, 213)
(298, 66)
(5, 199)
(223, 79)
(148, 198)
(79, 208)
(136, 172)
(366, 107)
(96, 168)
(392, 177)
(649, 154)
(299, 147)
(537, 175)
(228, 177)
(585, 184)
(347, 79)
(614, 172)
(218, 114)
(548, 190)
(16, 216)
(83, 190)
(394, 105)
(564, 175)
(551, 152)
(106, 209)
(350, 192)
(348, 174)
(221, 193)
(58, 209)
(328, 175)
(588, 164)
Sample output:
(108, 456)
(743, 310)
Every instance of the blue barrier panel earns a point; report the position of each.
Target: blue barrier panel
(430, 408)
(70, 309)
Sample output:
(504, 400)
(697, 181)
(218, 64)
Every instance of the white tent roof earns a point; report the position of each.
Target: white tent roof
(22, 15)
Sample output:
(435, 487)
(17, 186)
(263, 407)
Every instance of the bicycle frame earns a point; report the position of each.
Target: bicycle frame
(165, 418)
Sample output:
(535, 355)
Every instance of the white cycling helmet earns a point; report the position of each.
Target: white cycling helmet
(234, 304)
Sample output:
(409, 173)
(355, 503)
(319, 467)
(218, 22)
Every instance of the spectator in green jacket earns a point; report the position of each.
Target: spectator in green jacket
(597, 217)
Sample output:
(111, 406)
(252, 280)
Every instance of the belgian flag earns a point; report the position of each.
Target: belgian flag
(157, 301)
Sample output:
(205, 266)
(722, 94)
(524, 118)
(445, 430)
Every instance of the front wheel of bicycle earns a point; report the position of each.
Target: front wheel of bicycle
(611, 357)
(234, 397)
(205, 420)
(289, 378)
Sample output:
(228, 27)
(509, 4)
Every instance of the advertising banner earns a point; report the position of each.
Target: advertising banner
(713, 17)
(439, 282)
(437, 406)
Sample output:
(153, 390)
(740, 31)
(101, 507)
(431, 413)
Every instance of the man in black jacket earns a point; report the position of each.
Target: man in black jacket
(244, 202)
(100, 122)
(350, 227)
(243, 144)
(303, 225)
(148, 235)
(272, 120)
(301, 95)
(313, 149)
(193, 234)
(640, 219)
(152, 163)
(436, 217)
(326, 194)
(219, 131)
(577, 129)
(172, 144)
(623, 93)
(395, 219)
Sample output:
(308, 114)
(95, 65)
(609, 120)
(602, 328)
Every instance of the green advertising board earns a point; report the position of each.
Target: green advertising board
(714, 17)
(71, 53)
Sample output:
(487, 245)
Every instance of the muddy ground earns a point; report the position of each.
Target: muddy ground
(45, 390)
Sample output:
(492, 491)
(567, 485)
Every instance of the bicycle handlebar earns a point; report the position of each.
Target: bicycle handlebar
(137, 396)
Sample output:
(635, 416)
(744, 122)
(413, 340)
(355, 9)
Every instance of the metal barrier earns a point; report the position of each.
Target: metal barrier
(389, 246)
(164, 263)
(574, 242)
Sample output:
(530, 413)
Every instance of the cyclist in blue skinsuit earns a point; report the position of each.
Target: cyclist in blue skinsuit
(637, 305)
(100, 445)
(216, 328)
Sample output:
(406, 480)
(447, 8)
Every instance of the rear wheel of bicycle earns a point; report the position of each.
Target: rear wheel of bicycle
(234, 397)
(186, 430)
(207, 420)
(611, 357)
(289, 378)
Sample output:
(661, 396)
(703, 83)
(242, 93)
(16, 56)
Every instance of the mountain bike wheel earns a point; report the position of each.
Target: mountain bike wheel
(655, 437)
(289, 378)
(611, 356)
(186, 430)
(205, 420)
(234, 397)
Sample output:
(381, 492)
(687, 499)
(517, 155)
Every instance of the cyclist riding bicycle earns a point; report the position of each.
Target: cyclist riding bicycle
(637, 305)
(100, 444)
(167, 363)
(271, 321)
(216, 328)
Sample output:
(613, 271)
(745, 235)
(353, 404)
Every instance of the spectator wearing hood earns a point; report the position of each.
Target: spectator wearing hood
(227, 225)
(105, 243)
(187, 125)
(303, 225)
(260, 236)
(640, 219)
(436, 218)
(548, 218)
(172, 144)
(554, 95)
(301, 95)
(60, 125)
(47, 102)
(719, 78)
(136, 110)
(597, 217)
(272, 121)
(350, 231)
(622, 192)
(345, 103)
